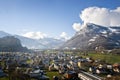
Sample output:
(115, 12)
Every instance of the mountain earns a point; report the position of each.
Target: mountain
(3, 34)
(30, 43)
(51, 42)
(45, 43)
(10, 43)
(93, 36)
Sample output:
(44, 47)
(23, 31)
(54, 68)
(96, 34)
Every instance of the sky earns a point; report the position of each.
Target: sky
(55, 18)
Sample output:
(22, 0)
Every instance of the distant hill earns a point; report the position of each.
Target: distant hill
(51, 43)
(94, 36)
(11, 44)
(45, 43)
(30, 43)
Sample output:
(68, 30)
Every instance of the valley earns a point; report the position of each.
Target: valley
(92, 53)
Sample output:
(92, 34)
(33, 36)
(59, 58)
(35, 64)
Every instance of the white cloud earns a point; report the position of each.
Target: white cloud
(76, 26)
(101, 16)
(35, 35)
(64, 36)
(40, 35)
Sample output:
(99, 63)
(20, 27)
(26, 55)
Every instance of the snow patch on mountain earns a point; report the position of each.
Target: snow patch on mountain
(93, 39)
(112, 30)
(117, 43)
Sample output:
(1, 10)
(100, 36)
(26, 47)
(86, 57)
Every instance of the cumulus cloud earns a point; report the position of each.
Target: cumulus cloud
(76, 26)
(100, 16)
(64, 35)
(35, 35)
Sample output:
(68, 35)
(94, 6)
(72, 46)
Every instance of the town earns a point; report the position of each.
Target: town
(55, 65)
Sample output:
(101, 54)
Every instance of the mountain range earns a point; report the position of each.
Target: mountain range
(93, 36)
(90, 37)
(45, 43)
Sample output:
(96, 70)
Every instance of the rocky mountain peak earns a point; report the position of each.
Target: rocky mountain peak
(92, 35)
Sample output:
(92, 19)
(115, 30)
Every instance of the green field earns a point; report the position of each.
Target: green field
(51, 74)
(109, 58)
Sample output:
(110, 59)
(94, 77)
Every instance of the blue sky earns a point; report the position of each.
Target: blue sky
(51, 17)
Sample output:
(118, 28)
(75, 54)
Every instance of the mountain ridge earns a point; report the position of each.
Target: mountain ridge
(45, 43)
(92, 36)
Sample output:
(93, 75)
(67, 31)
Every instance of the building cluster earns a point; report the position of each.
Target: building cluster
(69, 66)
